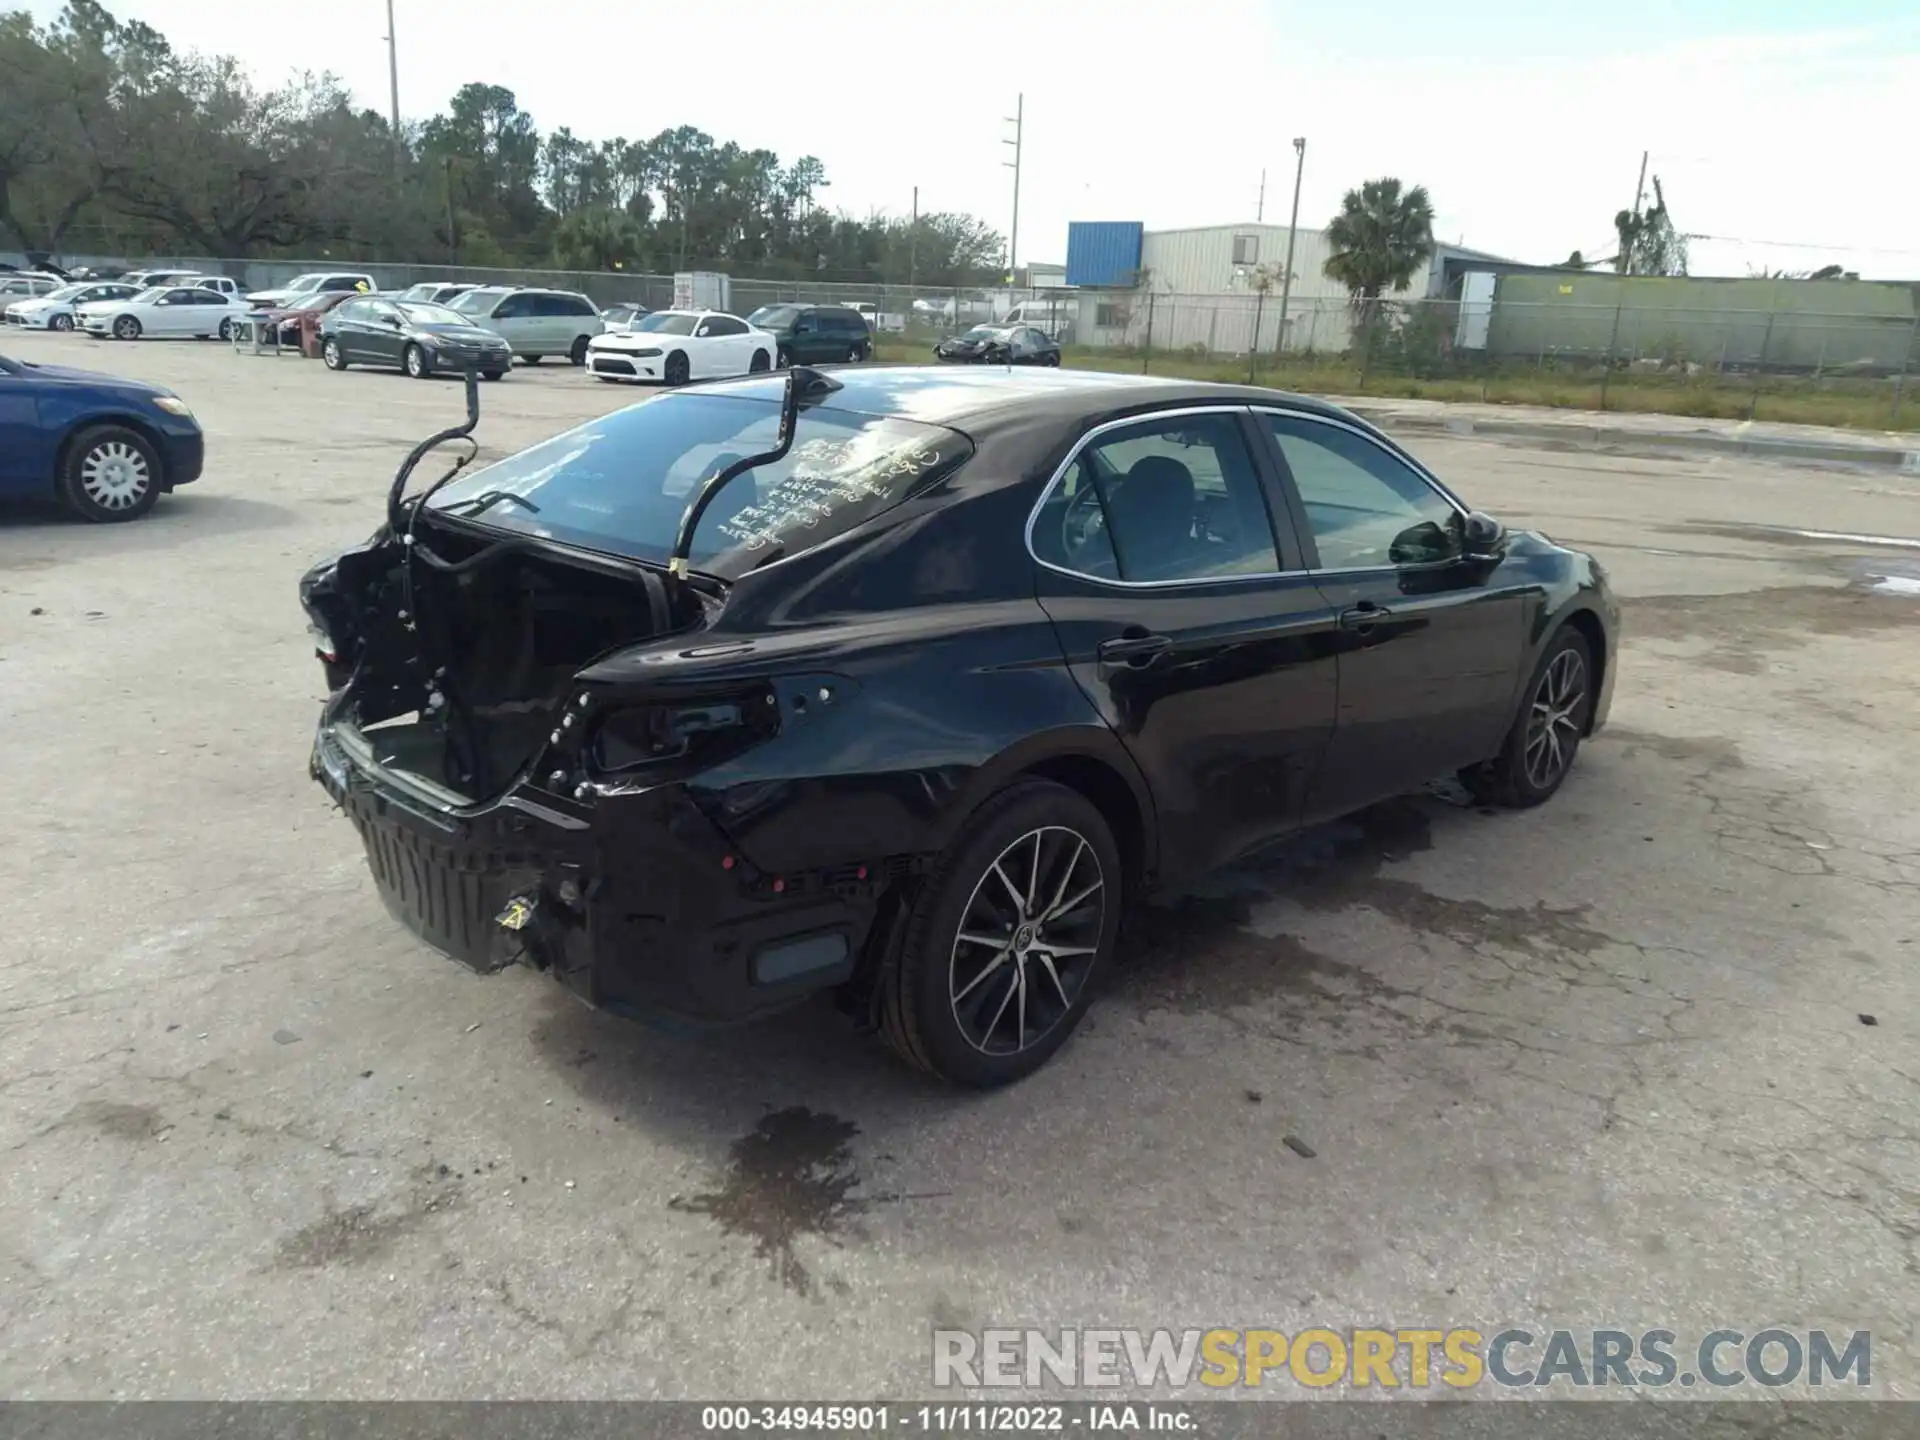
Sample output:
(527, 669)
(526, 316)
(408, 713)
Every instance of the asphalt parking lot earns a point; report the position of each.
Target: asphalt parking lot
(1643, 1057)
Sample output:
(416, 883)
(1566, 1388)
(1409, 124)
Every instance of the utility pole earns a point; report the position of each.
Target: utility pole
(1260, 206)
(393, 80)
(1018, 121)
(913, 246)
(1626, 241)
(1293, 229)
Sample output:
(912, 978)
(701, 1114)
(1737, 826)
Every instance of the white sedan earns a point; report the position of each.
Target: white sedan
(164, 310)
(676, 346)
(55, 311)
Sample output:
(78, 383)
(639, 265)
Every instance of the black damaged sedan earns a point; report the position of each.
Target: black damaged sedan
(902, 683)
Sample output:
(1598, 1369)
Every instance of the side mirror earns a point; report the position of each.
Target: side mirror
(1482, 536)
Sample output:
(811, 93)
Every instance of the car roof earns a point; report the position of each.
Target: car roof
(969, 397)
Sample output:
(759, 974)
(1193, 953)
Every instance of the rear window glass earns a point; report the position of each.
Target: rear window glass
(621, 483)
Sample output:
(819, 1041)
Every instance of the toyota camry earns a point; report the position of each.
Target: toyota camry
(902, 683)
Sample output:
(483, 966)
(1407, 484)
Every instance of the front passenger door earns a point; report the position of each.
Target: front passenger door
(514, 319)
(1430, 641)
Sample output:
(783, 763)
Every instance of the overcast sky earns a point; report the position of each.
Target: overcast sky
(1769, 120)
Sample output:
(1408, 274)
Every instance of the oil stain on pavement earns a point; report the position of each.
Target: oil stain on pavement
(791, 1176)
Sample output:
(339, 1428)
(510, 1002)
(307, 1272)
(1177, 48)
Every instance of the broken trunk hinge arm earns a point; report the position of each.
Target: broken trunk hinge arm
(420, 452)
(804, 386)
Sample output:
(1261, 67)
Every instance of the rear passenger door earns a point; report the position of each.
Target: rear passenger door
(24, 463)
(1188, 620)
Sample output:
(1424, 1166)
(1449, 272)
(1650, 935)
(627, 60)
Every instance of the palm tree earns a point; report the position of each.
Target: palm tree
(1380, 239)
(598, 238)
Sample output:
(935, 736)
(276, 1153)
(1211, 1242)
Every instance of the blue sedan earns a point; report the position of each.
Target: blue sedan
(106, 448)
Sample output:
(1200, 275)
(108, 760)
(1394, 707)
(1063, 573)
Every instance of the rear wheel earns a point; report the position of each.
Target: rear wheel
(760, 364)
(110, 473)
(126, 328)
(1545, 737)
(1006, 940)
(226, 328)
(678, 370)
(578, 354)
(783, 357)
(856, 353)
(414, 360)
(331, 355)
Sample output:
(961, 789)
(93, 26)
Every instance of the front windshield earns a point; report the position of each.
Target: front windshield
(474, 302)
(984, 332)
(64, 292)
(305, 282)
(667, 322)
(768, 316)
(148, 296)
(621, 483)
(421, 313)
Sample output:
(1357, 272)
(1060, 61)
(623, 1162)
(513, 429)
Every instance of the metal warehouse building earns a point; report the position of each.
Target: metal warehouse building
(1200, 287)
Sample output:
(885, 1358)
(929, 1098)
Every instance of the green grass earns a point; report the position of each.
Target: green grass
(1846, 403)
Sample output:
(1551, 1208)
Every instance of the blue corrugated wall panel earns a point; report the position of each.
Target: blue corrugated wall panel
(1103, 252)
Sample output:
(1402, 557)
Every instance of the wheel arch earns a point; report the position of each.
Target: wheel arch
(1091, 762)
(1588, 625)
(94, 421)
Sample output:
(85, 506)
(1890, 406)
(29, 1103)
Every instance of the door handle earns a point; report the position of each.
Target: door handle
(1137, 650)
(1364, 616)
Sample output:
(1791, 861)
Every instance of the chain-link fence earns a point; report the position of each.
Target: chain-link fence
(1784, 362)
(1855, 368)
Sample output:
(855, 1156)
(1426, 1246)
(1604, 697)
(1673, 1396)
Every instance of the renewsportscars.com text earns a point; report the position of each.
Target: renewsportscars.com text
(1400, 1358)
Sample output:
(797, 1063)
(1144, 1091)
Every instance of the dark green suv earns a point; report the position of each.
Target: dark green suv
(815, 334)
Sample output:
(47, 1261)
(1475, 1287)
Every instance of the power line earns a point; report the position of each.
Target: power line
(1799, 245)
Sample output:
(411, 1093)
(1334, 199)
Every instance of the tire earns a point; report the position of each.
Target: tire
(531, 359)
(493, 374)
(953, 1006)
(1534, 761)
(331, 355)
(109, 473)
(1053, 358)
(760, 364)
(126, 328)
(226, 329)
(855, 354)
(414, 361)
(783, 357)
(60, 322)
(577, 356)
(678, 369)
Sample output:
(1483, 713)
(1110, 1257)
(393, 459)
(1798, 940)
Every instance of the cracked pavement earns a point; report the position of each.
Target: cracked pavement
(1603, 1063)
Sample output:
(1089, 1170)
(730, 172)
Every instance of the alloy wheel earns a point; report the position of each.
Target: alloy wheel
(1027, 941)
(115, 475)
(127, 328)
(60, 322)
(1556, 718)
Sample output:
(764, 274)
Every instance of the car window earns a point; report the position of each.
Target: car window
(547, 305)
(421, 313)
(356, 311)
(1367, 508)
(514, 307)
(725, 325)
(1164, 500)
(577, 305)
(622, 482)
(666, 322)
(203, 296)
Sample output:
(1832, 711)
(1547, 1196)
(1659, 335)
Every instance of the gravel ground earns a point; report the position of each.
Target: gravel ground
(1644, 1057)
